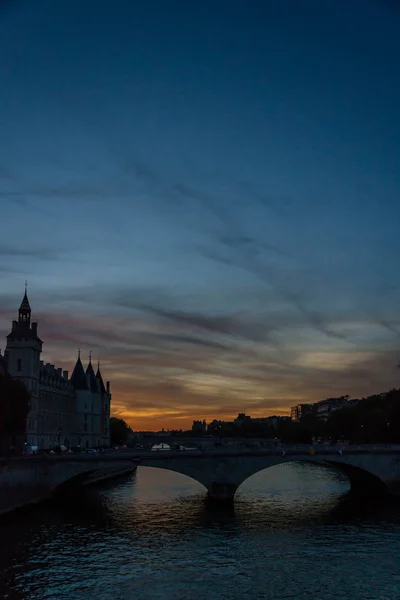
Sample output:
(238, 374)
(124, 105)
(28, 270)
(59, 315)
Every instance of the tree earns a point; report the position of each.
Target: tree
(119, 431)
(14, 408)
(375, 419)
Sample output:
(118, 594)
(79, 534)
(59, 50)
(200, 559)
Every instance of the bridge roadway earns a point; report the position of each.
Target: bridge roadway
(370, 469)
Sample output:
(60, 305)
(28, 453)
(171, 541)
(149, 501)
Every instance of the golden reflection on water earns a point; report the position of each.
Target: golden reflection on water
(279, 497)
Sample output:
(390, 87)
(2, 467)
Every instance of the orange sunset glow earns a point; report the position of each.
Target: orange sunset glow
(169, 367)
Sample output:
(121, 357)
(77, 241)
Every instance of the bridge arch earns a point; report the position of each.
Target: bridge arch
(180, 469)
(187, 476)
(361, 480)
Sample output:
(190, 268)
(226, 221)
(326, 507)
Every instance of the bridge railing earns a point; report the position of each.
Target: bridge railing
(224, 450)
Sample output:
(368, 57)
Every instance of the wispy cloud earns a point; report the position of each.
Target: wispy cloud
(170, 366)
(45, 253)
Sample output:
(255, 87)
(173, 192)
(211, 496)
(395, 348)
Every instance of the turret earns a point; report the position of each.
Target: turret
(23, 360)
(92, 380)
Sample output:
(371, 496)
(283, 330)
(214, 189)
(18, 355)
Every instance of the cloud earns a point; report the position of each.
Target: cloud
(231, 245)
(181, 365)
(392, 327)
(191, 341)
(171, 359)
(42, 253)
(231, 325)
(272, 267)
(170, 365)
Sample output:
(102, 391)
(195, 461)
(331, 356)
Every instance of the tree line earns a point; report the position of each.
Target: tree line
(15, 403)
(375, 419)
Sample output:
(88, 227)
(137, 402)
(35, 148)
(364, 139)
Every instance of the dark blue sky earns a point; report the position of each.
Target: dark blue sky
(207, 193)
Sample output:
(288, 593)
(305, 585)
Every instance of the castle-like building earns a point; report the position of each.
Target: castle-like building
(65, 411)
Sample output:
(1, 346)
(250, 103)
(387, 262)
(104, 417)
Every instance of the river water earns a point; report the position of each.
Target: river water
(293, 534)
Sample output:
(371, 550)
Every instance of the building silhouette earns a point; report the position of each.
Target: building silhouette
(66, 411)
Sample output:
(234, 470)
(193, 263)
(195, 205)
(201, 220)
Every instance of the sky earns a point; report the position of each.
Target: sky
(205, 195)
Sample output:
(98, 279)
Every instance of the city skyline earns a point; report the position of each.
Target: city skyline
(205, 197)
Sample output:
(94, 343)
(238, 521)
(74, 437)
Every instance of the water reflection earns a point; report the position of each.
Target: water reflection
(154, 535)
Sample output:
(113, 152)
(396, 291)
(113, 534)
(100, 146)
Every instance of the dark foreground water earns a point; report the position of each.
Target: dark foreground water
(293, 534)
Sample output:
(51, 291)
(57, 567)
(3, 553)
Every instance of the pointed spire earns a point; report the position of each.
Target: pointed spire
(24, 313)
(25, 303)
(92, 377)
(100, 379)
(78, 377)
(98, 374)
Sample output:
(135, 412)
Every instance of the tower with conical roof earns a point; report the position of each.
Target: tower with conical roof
(83, 404)
(23, 361)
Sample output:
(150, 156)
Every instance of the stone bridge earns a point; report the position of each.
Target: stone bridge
(370, 470)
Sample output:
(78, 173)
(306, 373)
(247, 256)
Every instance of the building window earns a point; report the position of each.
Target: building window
(85, 427)
(19, 365)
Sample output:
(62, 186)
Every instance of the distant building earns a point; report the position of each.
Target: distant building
(248, 423)
(241, 419)
(324, 408)
(199, 427)
(299, 411)
(70, 412)
(275, 421)
(320, 410)
(215, 426)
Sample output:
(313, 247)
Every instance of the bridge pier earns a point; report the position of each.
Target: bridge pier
(221, 492)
